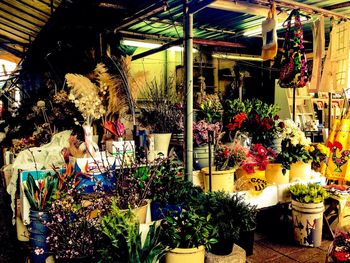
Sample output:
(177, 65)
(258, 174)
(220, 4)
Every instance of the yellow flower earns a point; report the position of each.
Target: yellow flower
(311, 148)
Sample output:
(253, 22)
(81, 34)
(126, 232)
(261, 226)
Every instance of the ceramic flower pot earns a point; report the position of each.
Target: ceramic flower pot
(220, 180)
(274, 174)
(307, 222)
(141, 212)
(300, 171)
(186, 255)
(161, 144)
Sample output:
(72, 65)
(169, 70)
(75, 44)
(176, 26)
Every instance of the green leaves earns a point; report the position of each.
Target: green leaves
(310, 193)
(39, 194)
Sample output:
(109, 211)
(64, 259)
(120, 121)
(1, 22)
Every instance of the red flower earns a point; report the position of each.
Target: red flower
(249, 167)
(276, 117)
(231, 126)
(227, 153)
(281, 125)
(260, 149)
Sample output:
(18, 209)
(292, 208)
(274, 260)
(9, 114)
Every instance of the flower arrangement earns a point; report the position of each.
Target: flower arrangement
(230, 156)
(116, 128)
(295, 145)
(201, 129)
(257, 118)
(258, 157)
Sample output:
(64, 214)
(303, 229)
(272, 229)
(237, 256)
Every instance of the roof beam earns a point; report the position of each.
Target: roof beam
(199, 5)
(33, 7)
(142, 15)
(23, 11)
(16, 35)
(209, 42)
(240, 7)
(11, 50)
(337, 6)
(21, 18)
(12, 41)
(158, 49)
(18, 24)
(17, 29)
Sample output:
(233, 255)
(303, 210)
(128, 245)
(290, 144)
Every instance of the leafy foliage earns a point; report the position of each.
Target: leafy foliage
(188, 230)
(40, 196)
(310, 193)
(122, 230)
(210, 109)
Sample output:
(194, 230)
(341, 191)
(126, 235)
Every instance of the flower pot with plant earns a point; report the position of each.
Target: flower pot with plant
(169, 192)
(232, 216)
(297, 150)
(39, 195)
(188, 234)
(124, 242)
(227, 159)
(307, 213)
(200, 144)
(160, 114)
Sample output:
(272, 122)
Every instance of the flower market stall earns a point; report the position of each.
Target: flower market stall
(120, 153)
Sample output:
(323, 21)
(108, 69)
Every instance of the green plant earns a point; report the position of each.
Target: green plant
(210, 109)
(40, 196)
(310, 193)
(189, 229)
(122, 229)
(231, 214)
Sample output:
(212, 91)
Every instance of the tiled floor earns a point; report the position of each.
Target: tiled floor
(274, 242)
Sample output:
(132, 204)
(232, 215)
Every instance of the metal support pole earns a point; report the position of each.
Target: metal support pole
(294, 103)
(329, 110)
(188, 44)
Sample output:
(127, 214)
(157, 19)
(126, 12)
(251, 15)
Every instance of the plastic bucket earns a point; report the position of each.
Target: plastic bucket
(38, 235)
(220, 180)
(300, 171)
(307, 222)
(257, 174)
(186, 255)
(201, 157)
(274, 174)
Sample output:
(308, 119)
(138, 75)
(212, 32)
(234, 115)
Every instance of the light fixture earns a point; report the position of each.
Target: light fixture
(233, 56)
(136, 43)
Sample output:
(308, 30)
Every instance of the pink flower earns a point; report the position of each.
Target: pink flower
(39, 251)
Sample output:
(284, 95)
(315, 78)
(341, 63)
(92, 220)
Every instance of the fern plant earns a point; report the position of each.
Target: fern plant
(122, 230)
(39, 194)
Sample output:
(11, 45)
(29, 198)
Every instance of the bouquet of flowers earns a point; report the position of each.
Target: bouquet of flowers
(257, 118)
(230, 156)
(201, 129)
(210, 109)
(295, 145)
(258, 157)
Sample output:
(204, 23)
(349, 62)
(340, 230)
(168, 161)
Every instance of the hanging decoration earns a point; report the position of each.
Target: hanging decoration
(293, 72)
(269, 35)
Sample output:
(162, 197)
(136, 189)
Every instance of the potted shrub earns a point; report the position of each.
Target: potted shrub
(307, 212)
(169, 192)
(233, 218)
(227, 159)
(187, 235)
(124, 242)
(39, 195)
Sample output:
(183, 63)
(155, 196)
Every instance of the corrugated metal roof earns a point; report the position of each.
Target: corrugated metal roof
(20, 23)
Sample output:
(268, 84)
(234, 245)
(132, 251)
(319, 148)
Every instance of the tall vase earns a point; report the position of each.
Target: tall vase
(38, 235)
(161, 144)
(89, 145)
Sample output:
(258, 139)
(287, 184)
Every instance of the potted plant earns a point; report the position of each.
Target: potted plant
(227, 159)
(39, 195)
(234, 218)
(307, 212)
(169, 192)
(187, 235)
(210, 109)
(124, 242)
(297, 148)
(159, 114)
(200, 143)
